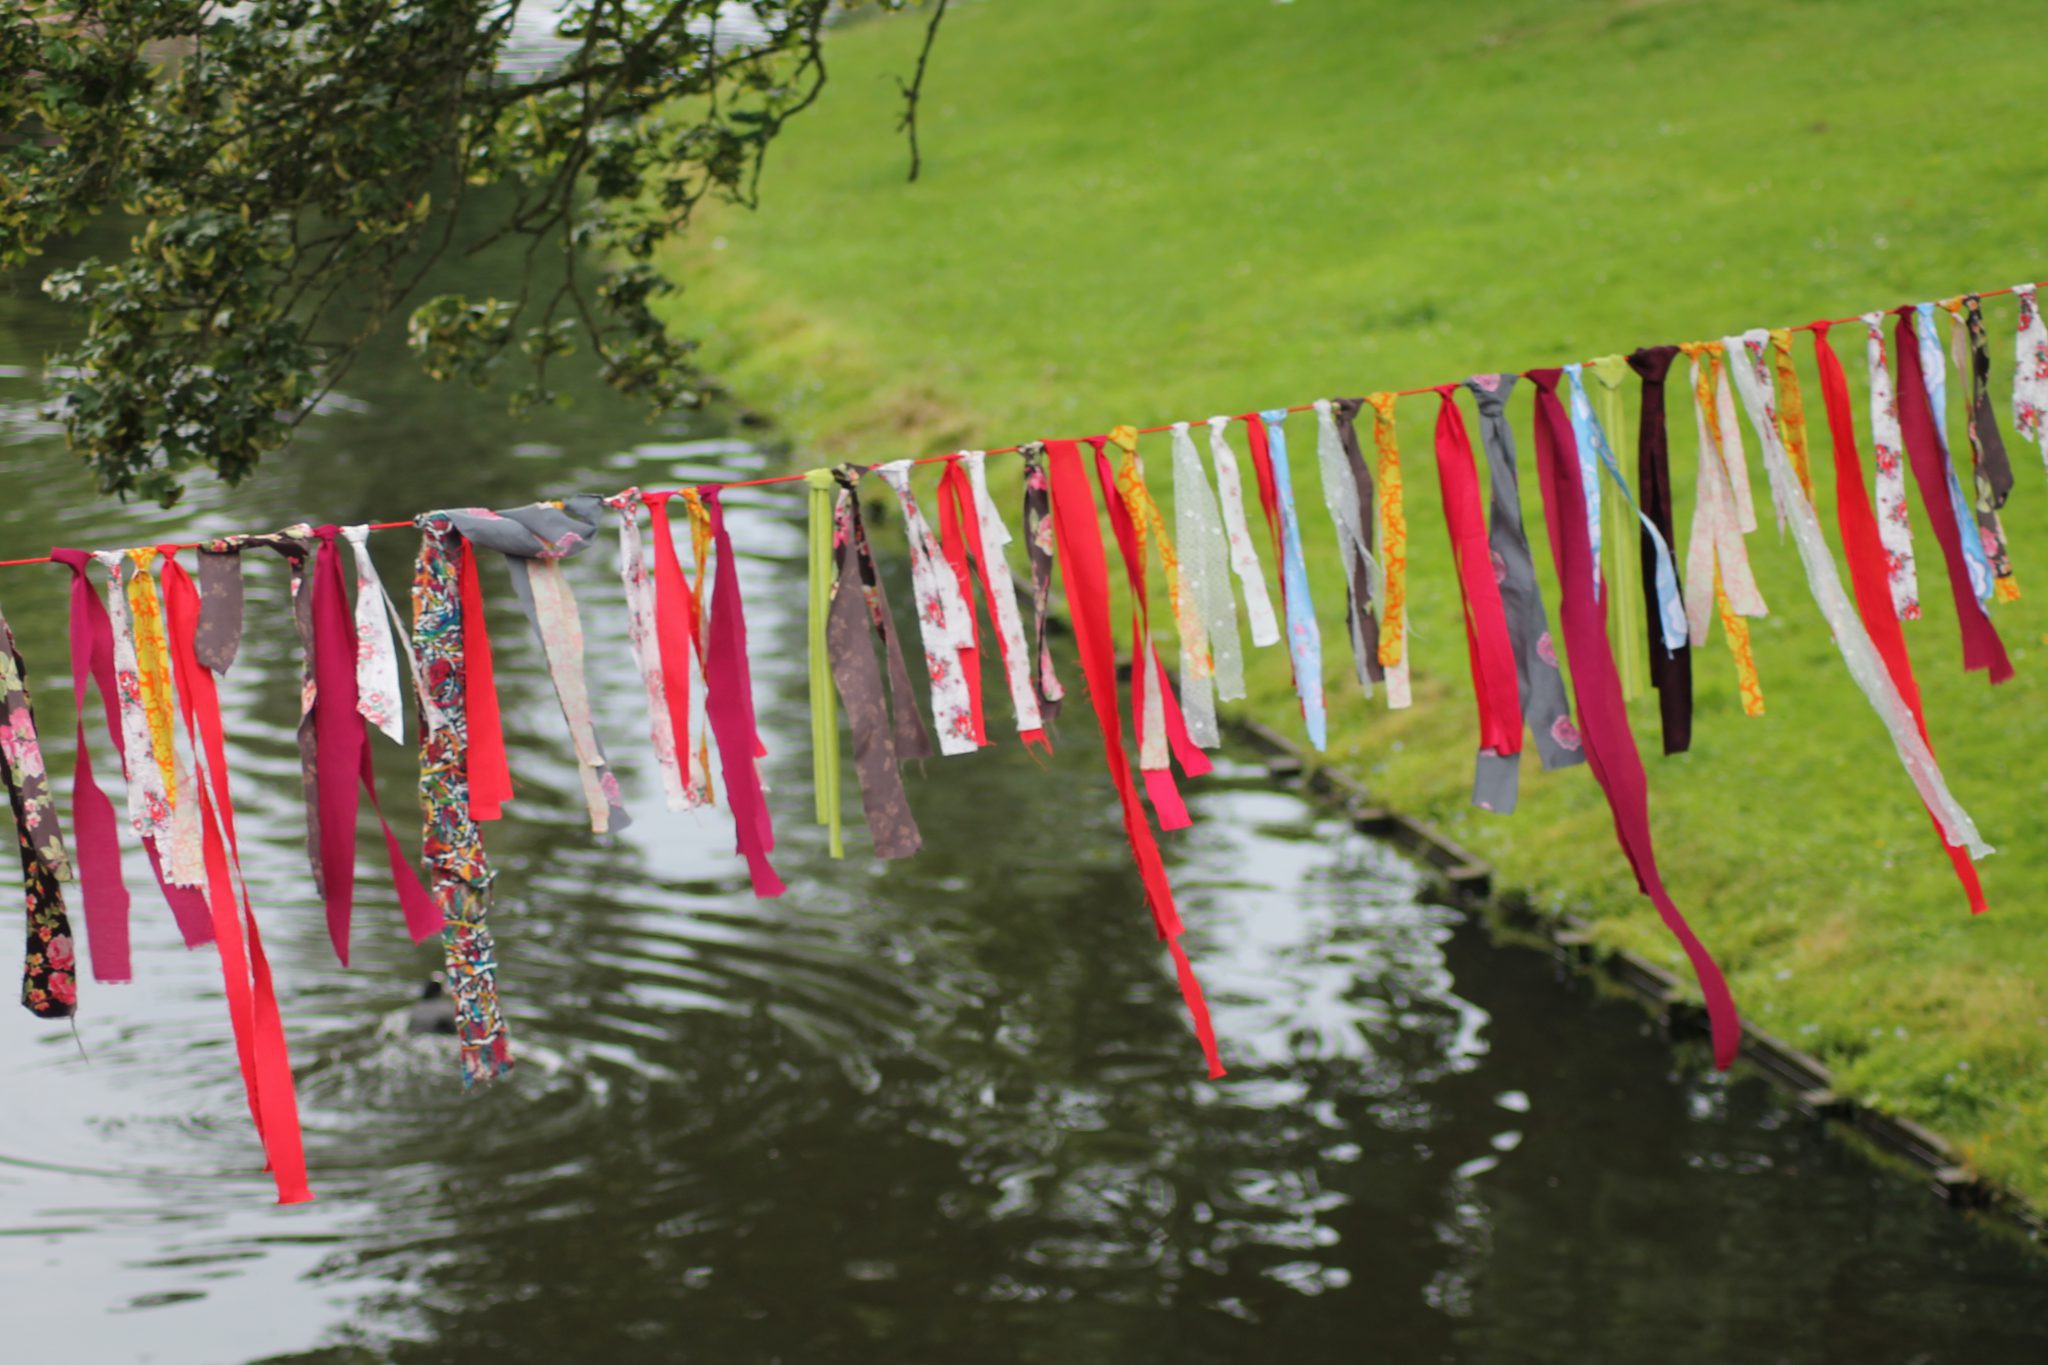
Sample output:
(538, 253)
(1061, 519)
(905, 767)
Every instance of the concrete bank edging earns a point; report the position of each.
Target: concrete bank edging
(1463, 878)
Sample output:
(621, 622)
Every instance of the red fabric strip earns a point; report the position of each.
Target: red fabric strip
(675, 623)
(490, 776)
(1486, 623)
(960, 532)
(95, 829)
(245, 969)
(1981, 646)
(1269, 490)
(729, 706)
(1867, 573)
(1596, 687)
(1085, 570)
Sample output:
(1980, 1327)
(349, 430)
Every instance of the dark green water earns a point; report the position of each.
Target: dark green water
(942, 1111)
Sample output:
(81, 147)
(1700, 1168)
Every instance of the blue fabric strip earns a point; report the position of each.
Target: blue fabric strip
(1304, 640)
(1935, 373)
(1594, 446)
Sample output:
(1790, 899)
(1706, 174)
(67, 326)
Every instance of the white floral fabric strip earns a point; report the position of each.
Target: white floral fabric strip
(1751, 373)
(995, 536)
(1205, 563)
(639, 584)
(1244, 556)
(2030, 371)
(942, 619)
(149, 803)
(377, 695)
(1888, 445)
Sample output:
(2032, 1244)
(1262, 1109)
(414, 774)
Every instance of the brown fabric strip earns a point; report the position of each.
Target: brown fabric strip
(1670, 669)
(858, 611)
(1365, 626)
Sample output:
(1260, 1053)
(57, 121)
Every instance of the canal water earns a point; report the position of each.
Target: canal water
(946, 1110)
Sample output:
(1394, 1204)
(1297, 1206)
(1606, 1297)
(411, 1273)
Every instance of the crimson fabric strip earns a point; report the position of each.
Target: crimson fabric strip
(729, 705)
(344, 761)
(1982, 649)
(95, 830)
(1596, 685)
(675, 618)
(490, 775)
(1486, 624)
(1085, 570)
(1670, 669)
(1869, 575)
(245, 969)
(960, 534)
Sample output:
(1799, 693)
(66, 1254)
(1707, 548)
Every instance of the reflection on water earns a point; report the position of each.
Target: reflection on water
(945, 1110)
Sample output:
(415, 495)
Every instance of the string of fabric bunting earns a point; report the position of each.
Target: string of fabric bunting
(152, 642)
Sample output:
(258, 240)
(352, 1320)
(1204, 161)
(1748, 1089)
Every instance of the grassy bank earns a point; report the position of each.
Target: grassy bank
(1141, 211)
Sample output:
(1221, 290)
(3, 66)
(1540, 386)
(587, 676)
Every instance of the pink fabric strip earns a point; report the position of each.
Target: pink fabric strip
(95, 832)
(343, 744)
(729, 706)
(1596, 687)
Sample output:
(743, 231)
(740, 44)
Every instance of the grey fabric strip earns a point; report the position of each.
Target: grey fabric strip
(1365, 624)
(546, 531)
(219, 636)
(1544, 705)
(1993, 469)
(858, 611)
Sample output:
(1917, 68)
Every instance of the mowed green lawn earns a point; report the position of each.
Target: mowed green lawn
(1143, 210)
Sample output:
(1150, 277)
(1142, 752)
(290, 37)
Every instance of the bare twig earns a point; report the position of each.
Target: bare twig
(913, 88)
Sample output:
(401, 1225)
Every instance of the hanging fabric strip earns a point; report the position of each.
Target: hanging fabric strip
(942, 619)
(1580, 408)
(956, 517)
(1791, 409)
(1393, 553)
(1086, 572)
(1538, 681)
(1610, 748)
(1244, 557)
(489, 779)
(1861, 657)
(1592, 440)
(1670, 664)
(1933, 378)
(729, 704)
(1038, 544)
(987, 537)
(700, 724)
(1257, 445)
(93, 825)
(2030, 371)
(1869, 575)
(49, 975)
(1718, 576)
(377, 695)
(458, 872)
(676, 615)
(534, 539)
(1206, 565)
(1154, 716)
(879, 716)
(344, 761)
(1982, 648)
(1486, 625)
(1992, 471)
(253, 1013)
(1197, 695)
(1888, 448)
(640, 633)
(153, 668)
(1347, 493)
(1618, 568)
(149, 800)
(171, 818)
(818, 658)
(220, 606)
(1304, 638)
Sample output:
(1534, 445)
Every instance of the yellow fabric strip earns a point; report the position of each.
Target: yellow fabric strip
(1791, 408)
(1393, 532)
(824, 701)
(1622, 542)
(153, 669)
(1151, 529)
(1736, 631)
